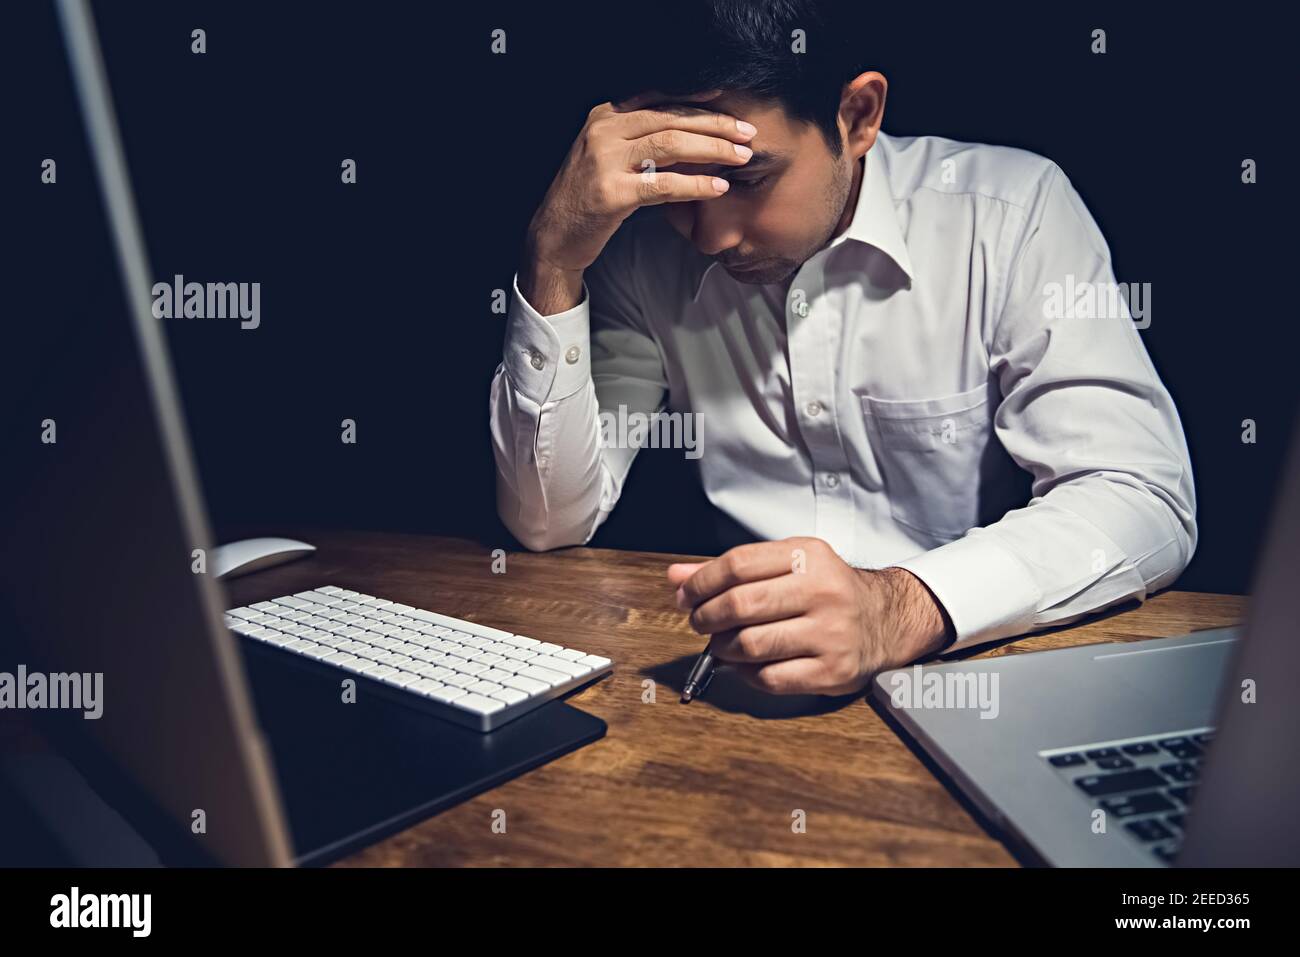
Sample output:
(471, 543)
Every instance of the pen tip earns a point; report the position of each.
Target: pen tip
(686, 697)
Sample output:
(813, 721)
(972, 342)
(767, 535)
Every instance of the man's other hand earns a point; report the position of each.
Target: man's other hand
(792, 618)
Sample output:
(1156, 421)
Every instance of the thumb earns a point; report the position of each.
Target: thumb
(679, 572)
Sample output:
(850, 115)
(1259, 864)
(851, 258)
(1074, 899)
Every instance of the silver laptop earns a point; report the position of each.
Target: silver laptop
(1140, 754)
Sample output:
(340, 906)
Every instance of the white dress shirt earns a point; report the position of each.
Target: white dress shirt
(884, 401)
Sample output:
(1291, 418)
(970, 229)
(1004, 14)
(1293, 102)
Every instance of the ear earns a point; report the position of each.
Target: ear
(862, 110)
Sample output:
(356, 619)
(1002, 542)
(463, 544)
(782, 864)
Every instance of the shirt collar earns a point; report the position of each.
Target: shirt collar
(874, 223)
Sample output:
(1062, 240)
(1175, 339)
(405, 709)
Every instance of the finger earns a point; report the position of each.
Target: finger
(648, 97)
(678, 572)
(752, 603)
(792, 676)
(775, 641)
(644, 122)
(744, 563)
(668, 147)
(655, 188)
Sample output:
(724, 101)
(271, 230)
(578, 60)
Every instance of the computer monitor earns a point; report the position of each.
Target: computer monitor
(106, 523)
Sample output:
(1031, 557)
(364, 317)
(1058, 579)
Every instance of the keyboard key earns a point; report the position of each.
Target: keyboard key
(242, 612)
(425, 685)
(595, 661)
(1145, 747)
(447, 693)
(402, 679)
(329, 589)
(1185, 795)
(265, 606)
(1181, 748)
(1148, 830)
(340, 659)
(1166, 852)
(519, 641)
(380, 671)
(290, 601)
(479, 704)
(1067, 760)
(458, 680)
(1204, 739)
(1148, 802)
(1182, 772)
(483, 687)
(1176, 820)
(1114, 764)
(1101, 753)
(525, 684)
(569, 654)
(1097, 785)
(508, 695)
(573, 669)
(552, 678)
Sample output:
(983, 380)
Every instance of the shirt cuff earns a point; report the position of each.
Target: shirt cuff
(548, 357)
(986, 590)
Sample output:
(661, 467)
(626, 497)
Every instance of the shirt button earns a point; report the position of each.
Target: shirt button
(537, 361)
(833, 480)
(813, 409)
(572, 355)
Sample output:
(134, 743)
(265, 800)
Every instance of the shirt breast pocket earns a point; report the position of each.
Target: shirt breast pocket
(931, 454)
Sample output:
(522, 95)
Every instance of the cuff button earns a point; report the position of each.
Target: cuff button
(572, 355)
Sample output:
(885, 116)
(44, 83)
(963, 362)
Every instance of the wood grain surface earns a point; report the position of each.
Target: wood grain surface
(714, 783)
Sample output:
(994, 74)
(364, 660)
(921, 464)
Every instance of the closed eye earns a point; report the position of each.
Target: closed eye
(750, 183)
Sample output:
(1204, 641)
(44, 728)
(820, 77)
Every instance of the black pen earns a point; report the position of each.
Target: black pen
(698, 680)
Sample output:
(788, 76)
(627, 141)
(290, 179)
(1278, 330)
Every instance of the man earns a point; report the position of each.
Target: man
(873, 333)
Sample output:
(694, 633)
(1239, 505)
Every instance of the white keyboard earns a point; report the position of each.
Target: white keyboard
(477, 676)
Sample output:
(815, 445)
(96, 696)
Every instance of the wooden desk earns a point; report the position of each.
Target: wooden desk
(712, 783)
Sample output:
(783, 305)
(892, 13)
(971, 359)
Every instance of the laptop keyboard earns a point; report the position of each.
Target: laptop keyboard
(1145, 783)
(464, 672)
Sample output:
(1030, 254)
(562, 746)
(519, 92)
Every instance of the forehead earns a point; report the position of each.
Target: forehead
(775, 127)
(776, 130)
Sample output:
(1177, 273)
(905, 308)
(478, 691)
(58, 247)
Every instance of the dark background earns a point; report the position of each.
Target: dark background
(376, 298)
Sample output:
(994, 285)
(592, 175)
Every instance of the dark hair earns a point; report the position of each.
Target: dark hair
(747, 46)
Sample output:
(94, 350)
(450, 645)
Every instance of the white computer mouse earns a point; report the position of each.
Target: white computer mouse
(252, 554)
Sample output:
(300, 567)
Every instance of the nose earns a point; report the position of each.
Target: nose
(715, 226)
